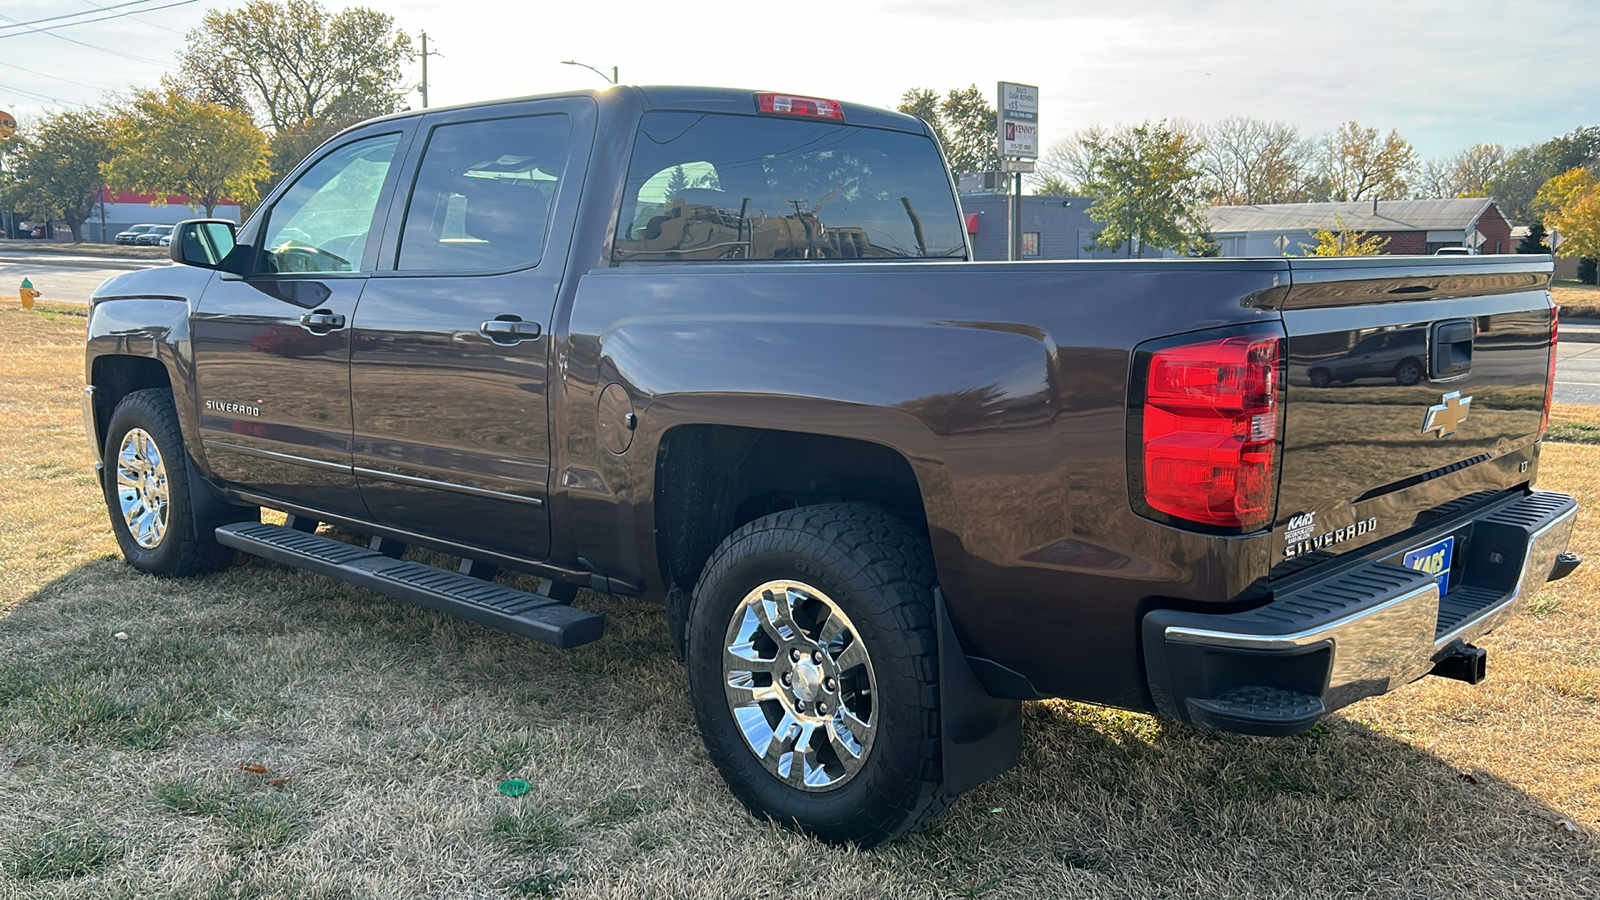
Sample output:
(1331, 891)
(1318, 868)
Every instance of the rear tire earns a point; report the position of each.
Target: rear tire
(146, 487)
(811, 635)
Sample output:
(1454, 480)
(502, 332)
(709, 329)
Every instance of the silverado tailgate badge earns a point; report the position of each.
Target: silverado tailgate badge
(1448, 415)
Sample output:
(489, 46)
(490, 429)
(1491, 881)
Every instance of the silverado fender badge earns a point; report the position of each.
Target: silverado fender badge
(1448, 414)
(236, 409)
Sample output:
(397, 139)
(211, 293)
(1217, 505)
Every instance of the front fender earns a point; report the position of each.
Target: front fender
(145, 314)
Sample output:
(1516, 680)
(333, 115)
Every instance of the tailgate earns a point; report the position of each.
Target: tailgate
(1412, 383)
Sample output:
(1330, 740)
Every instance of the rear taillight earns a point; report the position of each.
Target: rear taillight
(1550, 374)
(1210, 430)
(789, 104)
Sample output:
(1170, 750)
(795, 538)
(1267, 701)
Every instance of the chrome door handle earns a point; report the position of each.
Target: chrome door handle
(509, 330)
(322, 321)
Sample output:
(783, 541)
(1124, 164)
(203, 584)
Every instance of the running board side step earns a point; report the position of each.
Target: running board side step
(519, 612)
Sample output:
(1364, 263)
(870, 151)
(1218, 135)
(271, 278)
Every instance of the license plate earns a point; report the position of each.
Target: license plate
(1435, 560)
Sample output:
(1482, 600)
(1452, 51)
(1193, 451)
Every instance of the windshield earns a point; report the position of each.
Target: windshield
(704, 186)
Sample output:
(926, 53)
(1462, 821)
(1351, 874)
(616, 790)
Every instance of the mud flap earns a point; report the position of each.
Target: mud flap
(981, 734)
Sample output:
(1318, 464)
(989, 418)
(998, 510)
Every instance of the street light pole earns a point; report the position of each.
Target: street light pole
(612, 78)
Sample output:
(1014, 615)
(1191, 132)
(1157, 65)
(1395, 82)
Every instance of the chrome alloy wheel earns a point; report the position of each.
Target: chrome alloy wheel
(800, 685)
(142, 488)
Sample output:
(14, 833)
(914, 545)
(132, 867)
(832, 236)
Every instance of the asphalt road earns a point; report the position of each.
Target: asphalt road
(62, 281)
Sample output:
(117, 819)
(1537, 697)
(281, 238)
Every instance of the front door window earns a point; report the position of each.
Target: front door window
(322, 223)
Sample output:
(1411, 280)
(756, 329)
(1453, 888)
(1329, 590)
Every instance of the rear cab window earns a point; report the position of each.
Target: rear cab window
(706, 186)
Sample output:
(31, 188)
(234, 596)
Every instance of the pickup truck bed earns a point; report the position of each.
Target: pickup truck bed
(732, 358)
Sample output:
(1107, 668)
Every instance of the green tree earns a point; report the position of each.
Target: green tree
(1526, 170)
(1534, 241)
(965, 123)
(54, 167)
(1341, 241)
(298, 69)
(1147, 188)
(1358, 163)
(167, 143)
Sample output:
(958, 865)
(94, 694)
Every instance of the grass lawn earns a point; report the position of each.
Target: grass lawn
(1576, 299)
(267, 733)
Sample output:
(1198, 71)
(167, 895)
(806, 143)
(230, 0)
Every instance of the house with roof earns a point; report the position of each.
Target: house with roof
(1412, 226)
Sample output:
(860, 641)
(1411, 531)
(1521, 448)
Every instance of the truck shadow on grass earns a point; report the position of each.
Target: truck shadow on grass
(264, 732)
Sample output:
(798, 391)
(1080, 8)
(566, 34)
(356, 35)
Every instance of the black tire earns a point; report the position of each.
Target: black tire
(1408, 372)
(879, 572)
(185, 547)
(1321, 378)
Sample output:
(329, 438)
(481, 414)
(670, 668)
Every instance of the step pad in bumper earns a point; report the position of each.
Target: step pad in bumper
(531, 615)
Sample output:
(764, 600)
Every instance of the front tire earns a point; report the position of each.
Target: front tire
(813, 661)
(146, 487)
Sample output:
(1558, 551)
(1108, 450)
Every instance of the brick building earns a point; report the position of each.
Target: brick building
(1412, 226)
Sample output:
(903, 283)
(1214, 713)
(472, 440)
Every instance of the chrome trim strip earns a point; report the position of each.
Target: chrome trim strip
(285, 457)
(447, 486)
(1293, 640)
(1537, 561)
(89, 429)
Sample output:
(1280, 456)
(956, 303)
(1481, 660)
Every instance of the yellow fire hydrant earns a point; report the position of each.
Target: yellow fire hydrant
(28, 294)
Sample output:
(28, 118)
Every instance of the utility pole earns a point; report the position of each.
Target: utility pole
(425, 55)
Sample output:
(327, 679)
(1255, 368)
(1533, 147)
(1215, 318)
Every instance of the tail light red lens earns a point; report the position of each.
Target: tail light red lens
(1211, 430)
(800, 106)
(1550, 376)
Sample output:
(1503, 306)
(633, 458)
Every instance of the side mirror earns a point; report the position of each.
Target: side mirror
(205, 243)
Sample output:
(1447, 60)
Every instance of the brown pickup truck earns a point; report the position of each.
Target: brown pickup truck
(726, 351)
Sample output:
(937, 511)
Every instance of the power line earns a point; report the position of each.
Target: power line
(47, 32)
(92, 87)
(44, 97)
(140, 21)
(50, 29)
(72, 15)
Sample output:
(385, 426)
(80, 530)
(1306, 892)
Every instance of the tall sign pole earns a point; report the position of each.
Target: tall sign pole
(1017, 114)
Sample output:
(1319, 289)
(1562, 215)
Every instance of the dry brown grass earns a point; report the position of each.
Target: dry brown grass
(1577, 300)
(120, 759)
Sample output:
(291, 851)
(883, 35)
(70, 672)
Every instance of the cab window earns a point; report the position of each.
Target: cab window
(710, 186)
(482, 196)
(321, 224)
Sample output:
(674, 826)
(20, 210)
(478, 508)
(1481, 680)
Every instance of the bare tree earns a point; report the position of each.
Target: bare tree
(1249, 161)
(1467, 174)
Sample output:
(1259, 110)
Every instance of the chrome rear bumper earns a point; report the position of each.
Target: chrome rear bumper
(1363, 630)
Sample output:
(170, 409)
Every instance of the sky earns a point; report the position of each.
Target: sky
(1444, 74)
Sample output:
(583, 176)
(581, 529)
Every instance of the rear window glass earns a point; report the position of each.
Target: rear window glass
(704, 186)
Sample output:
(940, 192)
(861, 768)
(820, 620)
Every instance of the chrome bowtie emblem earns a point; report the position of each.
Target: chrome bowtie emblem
(1448, 415)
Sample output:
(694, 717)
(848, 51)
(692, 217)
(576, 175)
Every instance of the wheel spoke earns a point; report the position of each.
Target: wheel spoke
(743, 691)
(853, 655)
(803, 768)
(776, 615)
(832, 628)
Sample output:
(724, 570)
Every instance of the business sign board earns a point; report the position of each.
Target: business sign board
(1018, 119)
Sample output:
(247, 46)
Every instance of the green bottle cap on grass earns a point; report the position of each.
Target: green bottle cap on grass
(515, 787)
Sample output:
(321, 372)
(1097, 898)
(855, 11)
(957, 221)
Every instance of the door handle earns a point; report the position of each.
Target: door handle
(322, 321)
(509, 330)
